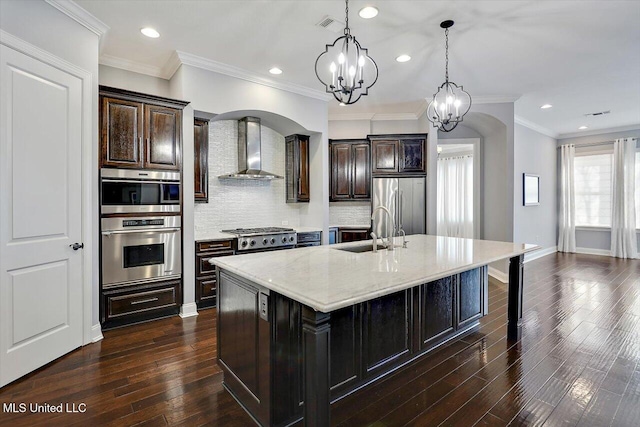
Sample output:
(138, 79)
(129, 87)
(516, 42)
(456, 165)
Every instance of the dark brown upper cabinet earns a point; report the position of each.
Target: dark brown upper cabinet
(398, 154)
(139, 131)
(163, 137)
(350, 164)
(121, 133)
(201, 160)
(297, 168)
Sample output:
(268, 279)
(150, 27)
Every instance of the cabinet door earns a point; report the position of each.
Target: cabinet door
(387, 331)
(412, 155)
(303, 169)
(361, 175)
(384, 157)
(351, 235)
(340, 172)
(437, 301)
(121, 133)
(162, 133)
(470, 296)
(201, 160)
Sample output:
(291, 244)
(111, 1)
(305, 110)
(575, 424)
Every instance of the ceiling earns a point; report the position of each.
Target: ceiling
(580, 56)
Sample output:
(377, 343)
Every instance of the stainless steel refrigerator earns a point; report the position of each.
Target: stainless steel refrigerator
(405, 199)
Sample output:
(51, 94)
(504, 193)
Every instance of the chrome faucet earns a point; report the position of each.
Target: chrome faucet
(404, 238)
(390, 233)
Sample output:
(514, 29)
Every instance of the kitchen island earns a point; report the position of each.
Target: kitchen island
(301, 328)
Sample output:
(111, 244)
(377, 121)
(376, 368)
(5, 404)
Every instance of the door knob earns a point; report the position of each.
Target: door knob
(77, 246)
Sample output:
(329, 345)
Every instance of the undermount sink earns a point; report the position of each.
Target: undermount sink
(360, 249)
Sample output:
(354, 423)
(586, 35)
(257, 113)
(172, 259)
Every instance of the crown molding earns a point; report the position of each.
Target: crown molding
(600, 131)
(422, 109)
(171, 66)
(350, 116)
(394, 116)
(133, 66)
(494, 99)
(535, 127)
(80, 15)
(239, 73)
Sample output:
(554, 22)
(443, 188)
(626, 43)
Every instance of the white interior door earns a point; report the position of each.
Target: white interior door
(41, 296)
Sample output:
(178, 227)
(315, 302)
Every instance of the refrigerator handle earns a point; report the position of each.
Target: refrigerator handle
(400, 210)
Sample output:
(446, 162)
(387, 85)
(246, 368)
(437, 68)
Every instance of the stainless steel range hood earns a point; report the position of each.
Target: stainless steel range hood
(249, 152)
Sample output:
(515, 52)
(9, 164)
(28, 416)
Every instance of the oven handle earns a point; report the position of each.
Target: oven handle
(155, 230)
(140, 181)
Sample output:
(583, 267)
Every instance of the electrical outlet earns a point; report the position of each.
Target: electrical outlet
(285, 222)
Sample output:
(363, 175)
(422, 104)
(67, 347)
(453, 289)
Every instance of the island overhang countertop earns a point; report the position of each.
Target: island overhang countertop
(327, 278)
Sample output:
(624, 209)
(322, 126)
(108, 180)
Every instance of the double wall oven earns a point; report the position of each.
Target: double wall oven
(141, 242)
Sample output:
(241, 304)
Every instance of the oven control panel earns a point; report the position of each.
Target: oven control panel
(267, 241)
(141, 222)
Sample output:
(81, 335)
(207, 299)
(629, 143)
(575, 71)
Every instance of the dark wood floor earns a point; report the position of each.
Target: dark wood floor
(577, 363)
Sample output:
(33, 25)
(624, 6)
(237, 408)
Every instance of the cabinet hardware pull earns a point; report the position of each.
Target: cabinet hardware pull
(142, 301)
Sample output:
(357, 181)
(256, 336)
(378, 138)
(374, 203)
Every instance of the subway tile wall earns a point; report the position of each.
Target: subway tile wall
(243, 203)
(350, 213)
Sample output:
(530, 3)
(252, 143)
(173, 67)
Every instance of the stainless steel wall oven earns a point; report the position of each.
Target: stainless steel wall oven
(140, 249)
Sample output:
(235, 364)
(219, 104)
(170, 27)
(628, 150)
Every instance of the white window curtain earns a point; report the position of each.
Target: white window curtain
(455, 196)
(567, 220)
(623, 216)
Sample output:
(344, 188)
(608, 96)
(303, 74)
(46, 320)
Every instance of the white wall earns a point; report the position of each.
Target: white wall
(537, 154)
(53, 31)
(598, 240)
(122, 79)
(243, 203)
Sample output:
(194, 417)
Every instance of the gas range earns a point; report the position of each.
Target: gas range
(264, 239)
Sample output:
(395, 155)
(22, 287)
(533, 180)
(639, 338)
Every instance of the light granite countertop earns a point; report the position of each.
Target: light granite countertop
(326, 278)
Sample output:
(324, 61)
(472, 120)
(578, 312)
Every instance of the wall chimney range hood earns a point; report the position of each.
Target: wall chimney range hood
(249, 152)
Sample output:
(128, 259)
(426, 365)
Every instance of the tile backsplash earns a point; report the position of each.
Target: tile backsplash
(350, 213)
(243, 203)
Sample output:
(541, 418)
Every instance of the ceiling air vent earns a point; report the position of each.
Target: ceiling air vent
(599, 113)
(331, 24)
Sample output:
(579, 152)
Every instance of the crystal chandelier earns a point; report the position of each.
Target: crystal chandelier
(451, 102)
(346, 68)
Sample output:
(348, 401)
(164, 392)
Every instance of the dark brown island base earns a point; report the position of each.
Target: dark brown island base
(286, 356)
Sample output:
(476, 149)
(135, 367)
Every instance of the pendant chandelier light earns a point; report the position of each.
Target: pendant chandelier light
(450, 103)
(345, 67)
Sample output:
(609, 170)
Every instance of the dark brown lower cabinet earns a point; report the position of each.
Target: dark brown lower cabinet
(139, 303)
(260, 338)
(206, 278)
(353, 234)
(437, 304)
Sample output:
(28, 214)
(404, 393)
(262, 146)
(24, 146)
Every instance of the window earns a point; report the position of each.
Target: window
(593, 176)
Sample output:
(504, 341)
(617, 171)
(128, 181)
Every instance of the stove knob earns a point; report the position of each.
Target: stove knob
(265, 241)
(291, 239)
(284, 239)
(253, 243)
(244, 243)
(273, 241)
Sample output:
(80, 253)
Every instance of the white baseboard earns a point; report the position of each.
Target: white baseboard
(540, 253)
(498, 275)
(188, 310)
(592, 251)
(96, 333)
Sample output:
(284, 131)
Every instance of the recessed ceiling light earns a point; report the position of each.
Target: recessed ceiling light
(403, 58)
(150, 32)
(368, 12)
(545, 106)
(583, 127)
(275, 70)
